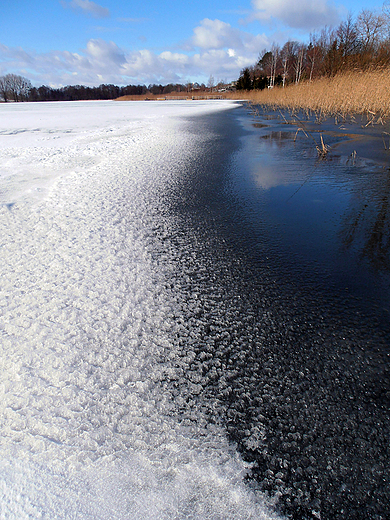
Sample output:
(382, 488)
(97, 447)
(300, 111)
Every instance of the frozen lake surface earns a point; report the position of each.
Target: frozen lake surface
(194, 311)
(100, 416)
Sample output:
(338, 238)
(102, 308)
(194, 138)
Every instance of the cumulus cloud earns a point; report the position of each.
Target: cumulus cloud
(105, 52)
(215, 34)
(88, 7)
(174, 57)
(216, 48)
(305, 14)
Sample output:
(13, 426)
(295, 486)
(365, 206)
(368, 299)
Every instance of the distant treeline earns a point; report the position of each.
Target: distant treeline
(18, 88)
(360, 43)
(79, 92)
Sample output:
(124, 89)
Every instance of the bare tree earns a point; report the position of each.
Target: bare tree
(210, 82)
(348, 39)
(4, 88)
(326, 42)
(371, 28)
(14, 87)
(313, 55)
(298, 65)
(275, 51)
(286, 55)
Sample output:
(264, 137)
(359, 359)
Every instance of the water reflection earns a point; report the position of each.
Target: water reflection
(267, 177)
(329, 218)
(278, 136)
(259, 125)
(285, 328)
(321, 391)
(367, 226)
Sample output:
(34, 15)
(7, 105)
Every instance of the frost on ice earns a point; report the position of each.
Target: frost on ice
(90, 426)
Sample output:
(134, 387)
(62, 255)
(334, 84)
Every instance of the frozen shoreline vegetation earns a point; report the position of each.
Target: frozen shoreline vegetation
(91, 428)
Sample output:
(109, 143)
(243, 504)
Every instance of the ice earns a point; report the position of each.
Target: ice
(90, 425)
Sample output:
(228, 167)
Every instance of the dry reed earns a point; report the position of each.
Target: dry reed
(346, 94)
(172, 96)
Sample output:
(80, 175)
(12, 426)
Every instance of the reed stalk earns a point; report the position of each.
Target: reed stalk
(341, 96)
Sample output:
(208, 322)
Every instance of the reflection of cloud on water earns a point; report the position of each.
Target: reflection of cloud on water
(273, 170)
(367, 226)
(267, 176)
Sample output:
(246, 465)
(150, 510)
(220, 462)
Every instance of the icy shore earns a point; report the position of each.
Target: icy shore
(89, 424)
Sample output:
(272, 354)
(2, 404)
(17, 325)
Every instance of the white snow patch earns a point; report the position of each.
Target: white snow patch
(89, 425)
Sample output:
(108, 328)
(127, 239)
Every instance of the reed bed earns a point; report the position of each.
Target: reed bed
(201, 94)
(154, 97)
(347, 94)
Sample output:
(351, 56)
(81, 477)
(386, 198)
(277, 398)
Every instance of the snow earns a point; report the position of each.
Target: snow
(90, 426)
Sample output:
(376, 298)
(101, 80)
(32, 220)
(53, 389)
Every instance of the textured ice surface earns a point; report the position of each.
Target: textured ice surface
(90, 424)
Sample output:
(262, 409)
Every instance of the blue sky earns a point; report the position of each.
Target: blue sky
(64, 42)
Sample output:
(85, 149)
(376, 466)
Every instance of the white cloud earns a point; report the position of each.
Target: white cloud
(105, 52)
(89, 7)
(218, 62)
(175, 58)
(216, 48)
(215, 34)
(254, 44)
(303, 14)
(140, 60)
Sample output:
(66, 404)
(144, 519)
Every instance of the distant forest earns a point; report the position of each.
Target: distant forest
(361, 43)
(18, 88)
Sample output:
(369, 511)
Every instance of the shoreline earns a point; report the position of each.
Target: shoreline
(178, 96)
(351, 139)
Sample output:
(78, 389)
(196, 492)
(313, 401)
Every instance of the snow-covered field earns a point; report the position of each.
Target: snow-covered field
(90, 426)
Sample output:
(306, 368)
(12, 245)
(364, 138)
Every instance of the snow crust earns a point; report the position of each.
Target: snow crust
(90, 426)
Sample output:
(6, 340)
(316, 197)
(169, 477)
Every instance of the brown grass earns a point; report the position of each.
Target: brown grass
(344, 95)
(172, 96)
(347, 94)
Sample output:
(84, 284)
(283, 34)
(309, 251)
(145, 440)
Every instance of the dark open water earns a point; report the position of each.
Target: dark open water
(284, 261)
